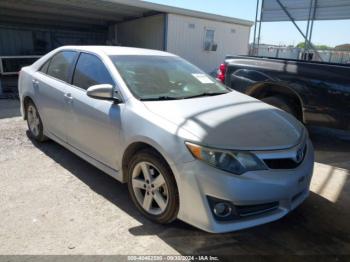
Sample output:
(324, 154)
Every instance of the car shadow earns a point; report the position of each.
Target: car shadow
(318, 226)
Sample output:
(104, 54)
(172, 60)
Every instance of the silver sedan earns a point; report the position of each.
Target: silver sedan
(187, 146)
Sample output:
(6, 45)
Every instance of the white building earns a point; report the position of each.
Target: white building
(203, 40)
(34, 27)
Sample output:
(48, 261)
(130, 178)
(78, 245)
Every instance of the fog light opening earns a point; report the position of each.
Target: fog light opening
(222, 209)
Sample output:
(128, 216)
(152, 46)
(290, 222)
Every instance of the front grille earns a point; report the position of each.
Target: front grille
(244, 211)
(284, 163)
(281, 163)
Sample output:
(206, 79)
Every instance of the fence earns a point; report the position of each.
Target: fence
(331, 56)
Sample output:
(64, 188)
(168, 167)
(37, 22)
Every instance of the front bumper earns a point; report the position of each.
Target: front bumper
(198, 181)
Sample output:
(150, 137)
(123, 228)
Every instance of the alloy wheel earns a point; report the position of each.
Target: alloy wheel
(33, 120)
(150, 188)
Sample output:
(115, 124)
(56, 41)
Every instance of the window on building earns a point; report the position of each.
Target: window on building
(61, 64)
(192, 26)
(209, 39)
(90, 71)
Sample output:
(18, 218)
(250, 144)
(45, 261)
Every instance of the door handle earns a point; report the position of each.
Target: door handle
(336, 92)
(68, 97)
(35, 83)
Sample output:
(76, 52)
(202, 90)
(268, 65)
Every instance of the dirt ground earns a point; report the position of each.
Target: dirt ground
(52, 202)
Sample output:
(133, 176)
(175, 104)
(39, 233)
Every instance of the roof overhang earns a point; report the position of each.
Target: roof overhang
(182, 11)
(91, 13)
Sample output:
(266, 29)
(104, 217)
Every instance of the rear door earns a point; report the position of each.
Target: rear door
(93, 124)
(50, 84)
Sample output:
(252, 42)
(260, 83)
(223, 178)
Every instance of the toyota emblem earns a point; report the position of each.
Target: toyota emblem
(300, 155)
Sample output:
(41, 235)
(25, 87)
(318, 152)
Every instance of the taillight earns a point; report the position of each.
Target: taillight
(221, 73)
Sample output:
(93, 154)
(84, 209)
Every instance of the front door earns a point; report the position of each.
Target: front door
(93, 125)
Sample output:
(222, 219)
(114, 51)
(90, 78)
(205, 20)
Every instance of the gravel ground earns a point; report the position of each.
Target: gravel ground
(52, 202)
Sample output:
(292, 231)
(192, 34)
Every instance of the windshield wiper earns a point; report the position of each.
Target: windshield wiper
(164, 98)
(206, 94)
(160, 98)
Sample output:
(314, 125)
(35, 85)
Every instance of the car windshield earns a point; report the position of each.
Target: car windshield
(165, 78)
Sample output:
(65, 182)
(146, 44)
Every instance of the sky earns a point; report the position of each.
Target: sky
(331, 33)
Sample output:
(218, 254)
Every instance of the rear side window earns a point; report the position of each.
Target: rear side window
(90, 71)
(61, 64)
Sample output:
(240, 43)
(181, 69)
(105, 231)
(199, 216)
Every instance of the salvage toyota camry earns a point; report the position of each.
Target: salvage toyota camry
(187, 146)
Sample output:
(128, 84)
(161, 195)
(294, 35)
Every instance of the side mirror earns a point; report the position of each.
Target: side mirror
(103, 92)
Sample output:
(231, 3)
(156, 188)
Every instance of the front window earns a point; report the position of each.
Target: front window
(90, 71)
(165, 78)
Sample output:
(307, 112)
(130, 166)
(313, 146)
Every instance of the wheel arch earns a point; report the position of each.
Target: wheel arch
(264, 90)
(26, 100)
(135, 147)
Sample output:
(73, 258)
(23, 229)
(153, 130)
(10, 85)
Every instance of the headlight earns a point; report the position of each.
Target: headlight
(236, 162)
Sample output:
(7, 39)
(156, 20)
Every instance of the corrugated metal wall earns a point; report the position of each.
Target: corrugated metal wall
(15, 41)
(185, 37)
(27, 40)
(147, 32)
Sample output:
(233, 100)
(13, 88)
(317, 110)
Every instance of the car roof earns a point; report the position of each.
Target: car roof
(117, 50)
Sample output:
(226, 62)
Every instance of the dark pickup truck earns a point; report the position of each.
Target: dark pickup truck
(315, 93)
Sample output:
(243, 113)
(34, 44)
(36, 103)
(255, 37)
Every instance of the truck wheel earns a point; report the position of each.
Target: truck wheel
(281, 103)
(35, 125)
(152, 187)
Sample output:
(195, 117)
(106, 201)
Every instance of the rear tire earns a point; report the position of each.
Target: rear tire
(35, 125)
(152, 187)
(281, 103)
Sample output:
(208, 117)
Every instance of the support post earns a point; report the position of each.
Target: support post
(308, 25)
(298, 28)
(312, 21)
(261, 13)
(255, 25)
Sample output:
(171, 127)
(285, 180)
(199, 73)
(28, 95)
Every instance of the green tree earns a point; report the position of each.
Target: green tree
(318, 47)
(301, 45)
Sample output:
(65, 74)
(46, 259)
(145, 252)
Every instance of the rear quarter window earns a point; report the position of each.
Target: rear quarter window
(45, 66)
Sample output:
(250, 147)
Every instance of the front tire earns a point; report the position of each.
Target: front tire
(35, 125)
(152, 187)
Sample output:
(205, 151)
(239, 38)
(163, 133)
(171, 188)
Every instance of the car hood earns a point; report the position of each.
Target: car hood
(231, 121)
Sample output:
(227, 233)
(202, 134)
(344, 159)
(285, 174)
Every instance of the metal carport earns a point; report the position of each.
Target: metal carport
(300, 10)
(31, 28)
(98, 17)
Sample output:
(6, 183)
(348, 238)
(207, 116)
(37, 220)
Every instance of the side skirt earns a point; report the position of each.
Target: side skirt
(108, 170)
